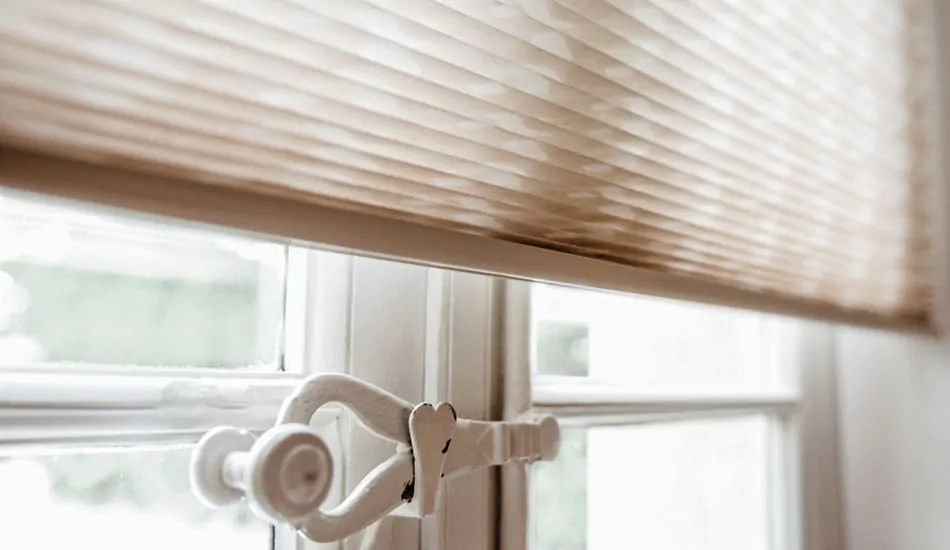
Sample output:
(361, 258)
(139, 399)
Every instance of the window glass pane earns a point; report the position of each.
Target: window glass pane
(698, 485)
(652, 344)
(77, 285)
(559, 496)
(116, 501)
(562, 347)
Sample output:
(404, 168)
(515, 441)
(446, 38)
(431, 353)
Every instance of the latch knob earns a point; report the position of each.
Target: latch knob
(285, 475)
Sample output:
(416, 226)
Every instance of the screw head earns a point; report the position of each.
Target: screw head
(290, 473)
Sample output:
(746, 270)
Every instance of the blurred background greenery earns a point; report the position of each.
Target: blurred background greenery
(78, 287)
(93, 316)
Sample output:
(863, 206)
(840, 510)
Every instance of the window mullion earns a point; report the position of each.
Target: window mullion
(459, 369)
(386, 348)
(821, 503)
(318, 342)
(56, 408)
(602, 417)
(515, 358)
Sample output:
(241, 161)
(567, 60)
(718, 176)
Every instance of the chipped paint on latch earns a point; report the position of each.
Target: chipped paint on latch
(409, 490)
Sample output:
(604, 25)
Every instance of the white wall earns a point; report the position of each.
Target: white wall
(894, 399)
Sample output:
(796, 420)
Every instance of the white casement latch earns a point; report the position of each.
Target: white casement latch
(286, 473)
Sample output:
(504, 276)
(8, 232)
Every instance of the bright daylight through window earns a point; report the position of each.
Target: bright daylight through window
(82, 292)
(674, 420)
(678, 421)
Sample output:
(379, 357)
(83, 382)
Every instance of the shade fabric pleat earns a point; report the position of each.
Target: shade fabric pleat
(781, 149)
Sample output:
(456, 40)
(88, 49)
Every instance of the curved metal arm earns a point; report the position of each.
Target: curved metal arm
(285, 475)
(379, 411)
(378, 494)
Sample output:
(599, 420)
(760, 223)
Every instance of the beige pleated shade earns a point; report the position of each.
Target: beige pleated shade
(767, 154)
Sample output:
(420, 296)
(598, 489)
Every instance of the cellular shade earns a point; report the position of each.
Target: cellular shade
(770, 155)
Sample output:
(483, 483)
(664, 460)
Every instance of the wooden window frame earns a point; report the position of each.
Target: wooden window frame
(805, 462)
(437, 335)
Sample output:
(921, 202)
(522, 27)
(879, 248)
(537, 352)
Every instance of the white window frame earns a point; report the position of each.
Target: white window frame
(423, 334)
(472, 347)
(804, 456)
(399, 326)
(62, 407)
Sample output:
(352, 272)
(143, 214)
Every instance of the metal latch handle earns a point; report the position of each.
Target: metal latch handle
(285, 474)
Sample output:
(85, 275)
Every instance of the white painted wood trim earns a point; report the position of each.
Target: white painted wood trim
(516, 352)
(386, 348)
(319, 342)
(438, 365)
(566, 392)
(327, 309)
(784, 483)
(76, 406)
(459, 355)
(817, 460)
(516, 360)
(459, 367)
(293, 221)
(299, 289)
(131, 372)
(577, 401)
(590, 417)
